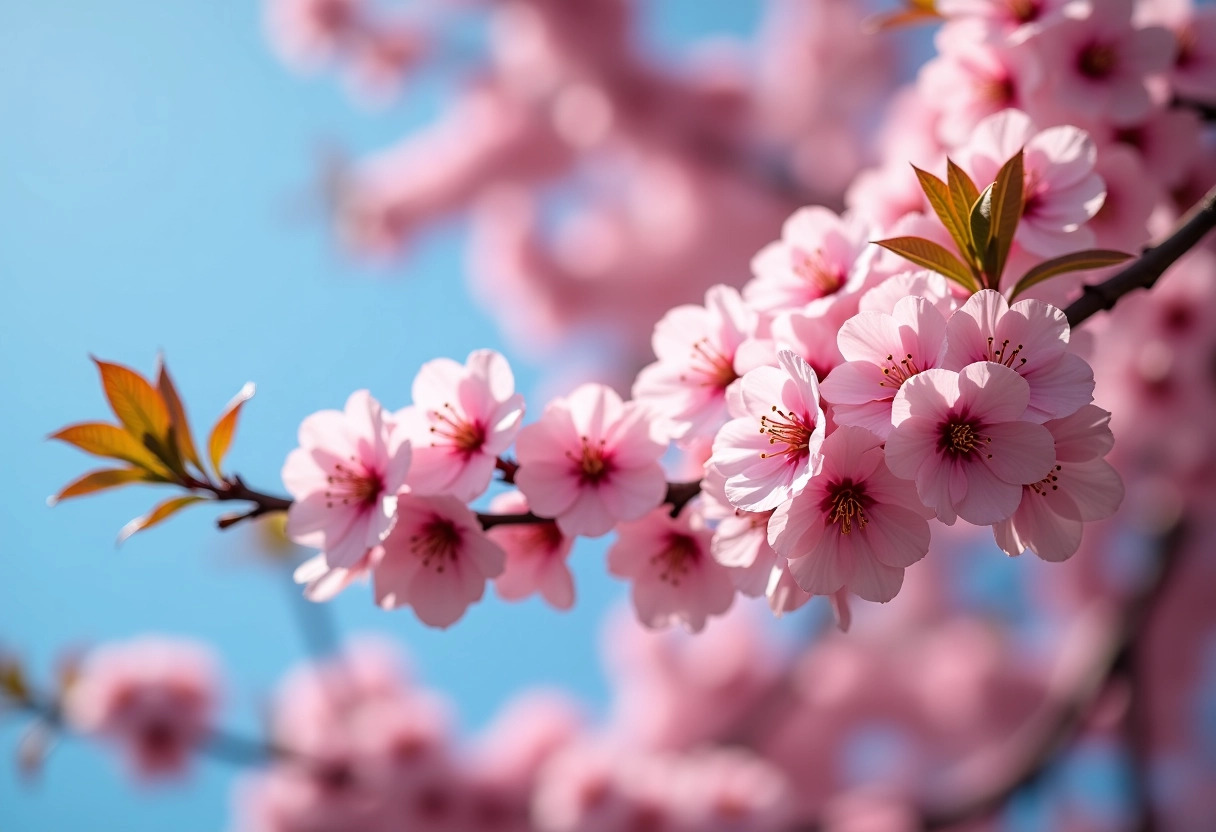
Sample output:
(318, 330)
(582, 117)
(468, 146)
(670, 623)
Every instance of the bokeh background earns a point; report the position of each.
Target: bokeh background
(157, 192)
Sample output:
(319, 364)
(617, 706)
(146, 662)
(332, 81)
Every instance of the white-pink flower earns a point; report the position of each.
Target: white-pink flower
(154, 697)
(436, 560)
(770, 451)
(1030, 338)
(1061, 190)
(1012, 20)
(536, 556)
(591, 462)
(818, 262)
(344, 477)
(856, 526)
(323, 582)
(962, 438)
(463, 417)
(882, 351)
(740, 540)
(674, 575)
(1081, 488)
(695, 347)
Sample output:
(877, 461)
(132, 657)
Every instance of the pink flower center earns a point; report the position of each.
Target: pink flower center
(353, 485)
(997, 90)
(1003, 355)
(593, 461)
(824, 278)
(1187, 41)
(1097, 61)
(959, 437)
(1048, 483)
(437, 543)
(675, 561)
(845, 504)
(896, 373)
(788, 428)
(465, 436)
(717, 369)
(1025, 11)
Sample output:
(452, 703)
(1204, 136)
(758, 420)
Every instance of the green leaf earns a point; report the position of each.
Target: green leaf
(137, 405)
(179, 424)
(100, 480)
(955, 221)
(1007, 202)
(963, 191)
(930, 255)
(225, 428)
(102, 439)
(1078, 261)
(161, 512)
(980, 221)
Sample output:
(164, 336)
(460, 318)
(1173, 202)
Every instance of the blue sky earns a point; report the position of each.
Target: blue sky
(154, 160)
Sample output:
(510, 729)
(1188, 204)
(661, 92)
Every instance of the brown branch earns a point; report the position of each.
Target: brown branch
(1154, 261)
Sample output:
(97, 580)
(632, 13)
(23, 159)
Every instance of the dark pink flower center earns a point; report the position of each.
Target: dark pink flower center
(1097, 61)
(1048, 483)
(593, 461)
(1025, 11)
(715, 368)
(845, 504)
(352, 485)
(466, 436)
(677, 558)
(960, 437)
(437, 543)
(788, 428)
(824, 278)
(998, 90)
(1002, 354)
(895, 373)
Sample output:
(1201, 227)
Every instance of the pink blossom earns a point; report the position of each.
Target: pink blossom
(536, 556)
(1169, 142)
(462, 418)
(740, 540)
(344, 476)
(591, 462)
(855, 525)
(154, 697)
(1062, 192)
(1132, 195)
(323, 582)
(1014, 20)
(811, 338)
(306, 33)
(1082, 488)
(925, 284)
(1194, 72)
(1097, 66)
(1030, 338)
(818, 262)
(882, 352)
(783, 593)
(770, 451)
(674, 575)
(695, 347)
(437, 560)
(961, 438)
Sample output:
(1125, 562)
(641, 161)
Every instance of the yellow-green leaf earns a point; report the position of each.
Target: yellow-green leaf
(225, 428)
(955, 220)
(135, 402)
(980, 221)
(100, 480)
(101, 439)
(1078, 261)
(179, 424)
(1006, 212)
(963, 192)
(161, 512)
(896, 19)
(930, 255)
(12, 680)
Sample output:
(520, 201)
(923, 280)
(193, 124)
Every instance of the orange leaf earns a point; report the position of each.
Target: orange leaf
(225, 428)
(179, 423)
(1078, 261)
(101, 439)
(12, 680)
(963, 192)
(138, 406)
(943, 205)
(161, 512)
(914, 11)
(930, 255)
(99, 480)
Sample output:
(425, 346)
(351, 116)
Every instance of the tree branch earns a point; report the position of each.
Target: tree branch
(1144, 272)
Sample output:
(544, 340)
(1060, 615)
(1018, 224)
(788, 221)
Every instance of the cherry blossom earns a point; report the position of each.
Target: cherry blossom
(1081, 488)
(740, 539)
(1030, 338)
(536, 556)
(882, 352)
(462, 418)
(590, 462)
(673, 573)
(344, 478)
(961, 438)
(855, 525)
(771, 449)
(436, 560)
